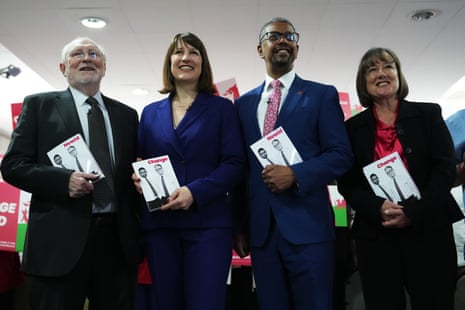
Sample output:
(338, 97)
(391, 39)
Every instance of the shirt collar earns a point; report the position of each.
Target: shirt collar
(81, 98)
(286, 80)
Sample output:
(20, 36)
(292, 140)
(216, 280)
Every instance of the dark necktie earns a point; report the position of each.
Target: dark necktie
(398, 190)
(151, 187)
(285, 158)
(164, 186)
(273, 107)
(98, 145)
(78, 164)
(385, 193)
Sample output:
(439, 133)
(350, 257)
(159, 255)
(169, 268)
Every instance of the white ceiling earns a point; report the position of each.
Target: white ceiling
(334, 35)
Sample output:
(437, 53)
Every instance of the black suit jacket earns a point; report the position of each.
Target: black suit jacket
(430, 155)
(58, 225)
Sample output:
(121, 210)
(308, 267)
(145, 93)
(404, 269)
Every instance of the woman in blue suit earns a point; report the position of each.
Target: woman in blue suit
(189, 241)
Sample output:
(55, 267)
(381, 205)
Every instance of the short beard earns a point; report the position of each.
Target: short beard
(280, 63)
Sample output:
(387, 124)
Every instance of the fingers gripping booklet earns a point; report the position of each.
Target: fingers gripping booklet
(276, 148)
(389, 179)
(157, 180)
(74, 154)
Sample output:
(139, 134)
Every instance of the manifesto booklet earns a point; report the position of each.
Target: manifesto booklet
(276, 149)
(158, 180)
(74, 154)
(389, 179)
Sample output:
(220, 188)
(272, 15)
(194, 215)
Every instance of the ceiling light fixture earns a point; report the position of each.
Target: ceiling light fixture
(423, 15)
(93, 22)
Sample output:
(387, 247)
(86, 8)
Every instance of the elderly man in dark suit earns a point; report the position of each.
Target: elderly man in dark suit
(78, 245)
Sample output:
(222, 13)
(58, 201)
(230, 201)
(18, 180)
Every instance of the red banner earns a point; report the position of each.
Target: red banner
(15, 111)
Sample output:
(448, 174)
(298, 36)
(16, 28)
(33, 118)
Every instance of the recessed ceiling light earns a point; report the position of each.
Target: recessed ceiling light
(422, 15)
(140, 92)
(93, 22)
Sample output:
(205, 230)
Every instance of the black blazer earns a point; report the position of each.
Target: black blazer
(430, 156)
(58, 225)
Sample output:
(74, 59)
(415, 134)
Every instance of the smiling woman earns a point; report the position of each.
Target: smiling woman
(191, 236)
(397, 242)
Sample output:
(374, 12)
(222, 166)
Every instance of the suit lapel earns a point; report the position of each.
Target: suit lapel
(67, 110)
(251, 108)
(291, 102)
(166, 127)
(117, 128)
(362, 130)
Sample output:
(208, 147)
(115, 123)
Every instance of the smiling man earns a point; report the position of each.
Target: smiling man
(290, 229)
(82, 237)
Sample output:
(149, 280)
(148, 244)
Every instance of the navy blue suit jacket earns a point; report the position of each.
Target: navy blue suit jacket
(312, 118)
(206, 151)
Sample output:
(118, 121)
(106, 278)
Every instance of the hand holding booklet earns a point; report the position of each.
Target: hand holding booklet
(158, 180)
(389, 179)
(74, 154)
(276, 149)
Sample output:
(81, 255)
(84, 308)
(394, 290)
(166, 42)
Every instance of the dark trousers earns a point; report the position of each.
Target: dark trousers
(343, 266)
(145, 297)
(241, 294)
(293, 277)
(7, 300)
(423, 264)
(101, 274)
(189, 267)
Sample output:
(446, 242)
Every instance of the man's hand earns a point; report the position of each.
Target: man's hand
(278, 178)
(80, 184)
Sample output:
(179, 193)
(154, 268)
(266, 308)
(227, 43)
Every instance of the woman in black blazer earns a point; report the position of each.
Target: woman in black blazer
(406, 246)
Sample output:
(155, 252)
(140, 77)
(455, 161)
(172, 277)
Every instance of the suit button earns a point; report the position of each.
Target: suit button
(400, 131)
(408, 150)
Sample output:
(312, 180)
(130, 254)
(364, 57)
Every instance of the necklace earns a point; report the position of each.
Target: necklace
(182, 106)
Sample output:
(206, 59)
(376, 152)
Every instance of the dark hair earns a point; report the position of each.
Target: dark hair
(272, 21)
(205, 83)
(368, 60)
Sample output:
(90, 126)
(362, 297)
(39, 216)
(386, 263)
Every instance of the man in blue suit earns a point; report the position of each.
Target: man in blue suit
(291, 225)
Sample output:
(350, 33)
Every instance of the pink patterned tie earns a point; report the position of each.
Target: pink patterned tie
(273, 107)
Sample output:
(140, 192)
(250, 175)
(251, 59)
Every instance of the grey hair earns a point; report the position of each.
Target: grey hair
(68, 47)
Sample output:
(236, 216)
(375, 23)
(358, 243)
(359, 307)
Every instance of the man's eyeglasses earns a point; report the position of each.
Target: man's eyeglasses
(274, 36)
(82, 54)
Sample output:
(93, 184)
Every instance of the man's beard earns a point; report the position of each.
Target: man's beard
(282, 62)
(86, 80)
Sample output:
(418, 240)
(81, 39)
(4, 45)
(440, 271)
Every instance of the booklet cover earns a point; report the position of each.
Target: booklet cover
(74, 154)
(389, 179)
(158, 180)
(276, 148)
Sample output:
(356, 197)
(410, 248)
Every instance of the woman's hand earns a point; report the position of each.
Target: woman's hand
(181, 199)
(136, 180)
(393, 215)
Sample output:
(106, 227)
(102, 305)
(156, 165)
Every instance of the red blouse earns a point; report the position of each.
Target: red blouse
(386, 140)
